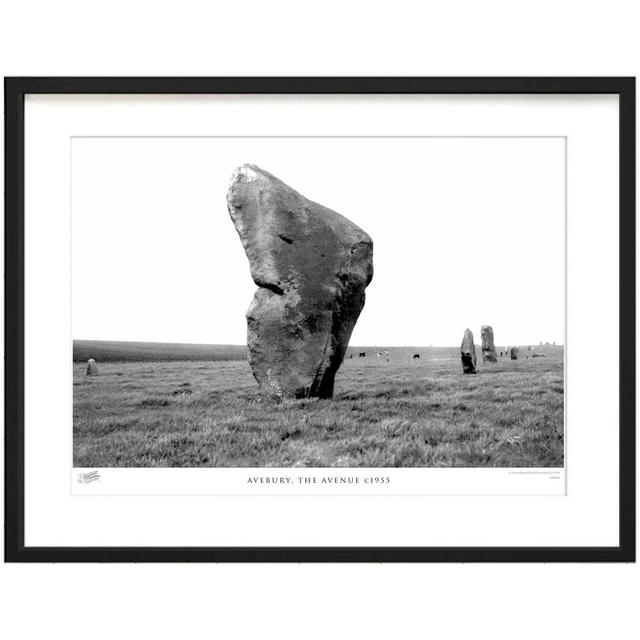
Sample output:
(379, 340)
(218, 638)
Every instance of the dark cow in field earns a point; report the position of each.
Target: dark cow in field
(416, 356)
(362, 354)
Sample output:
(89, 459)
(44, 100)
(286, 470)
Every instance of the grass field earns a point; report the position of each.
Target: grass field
(114, 351)
(206, 411)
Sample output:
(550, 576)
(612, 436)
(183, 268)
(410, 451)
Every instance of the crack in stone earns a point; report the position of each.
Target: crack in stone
(283, 237)
(271, 286)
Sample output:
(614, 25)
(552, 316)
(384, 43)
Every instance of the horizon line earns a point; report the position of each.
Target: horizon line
(354, 346)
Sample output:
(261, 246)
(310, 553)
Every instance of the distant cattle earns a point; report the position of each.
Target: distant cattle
(416, 356)
(362, 354)
(378, 355)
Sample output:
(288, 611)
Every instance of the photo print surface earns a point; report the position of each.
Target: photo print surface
(318, 302)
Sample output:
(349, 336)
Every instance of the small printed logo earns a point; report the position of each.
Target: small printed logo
(87, 478)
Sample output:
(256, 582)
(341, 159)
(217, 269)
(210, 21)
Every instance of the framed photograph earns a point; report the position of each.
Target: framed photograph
(320, 319)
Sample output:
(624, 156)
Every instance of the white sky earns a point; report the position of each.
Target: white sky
(466, 231)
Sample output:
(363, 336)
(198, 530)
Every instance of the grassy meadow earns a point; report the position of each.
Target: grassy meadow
(151, 408)
(115, 351)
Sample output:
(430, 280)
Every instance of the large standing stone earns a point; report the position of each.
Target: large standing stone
(513, 352)
(488, 348)
(468, 353)
(312, 267)
(92, 368)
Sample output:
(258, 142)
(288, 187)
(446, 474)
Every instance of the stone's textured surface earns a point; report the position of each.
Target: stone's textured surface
(513, 353)
(488, 348)
(92, 368)
(312, 267)
(468, 353)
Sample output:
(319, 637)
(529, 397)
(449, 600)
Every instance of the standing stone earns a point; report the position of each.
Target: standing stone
(513, 352)
(488, 348)
(311, 266)
(92, 368)
(468, 353)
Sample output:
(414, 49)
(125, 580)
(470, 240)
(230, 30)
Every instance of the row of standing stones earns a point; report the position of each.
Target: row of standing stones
(312, 267)
(468, 349)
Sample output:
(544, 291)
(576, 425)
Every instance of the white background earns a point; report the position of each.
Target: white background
(490, 38)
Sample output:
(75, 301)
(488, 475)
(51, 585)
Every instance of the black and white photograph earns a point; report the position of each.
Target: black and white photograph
(371, 318)
(320, 320)
(318, 301)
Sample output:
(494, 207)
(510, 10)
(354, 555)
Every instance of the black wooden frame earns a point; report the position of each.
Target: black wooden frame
(15, 91)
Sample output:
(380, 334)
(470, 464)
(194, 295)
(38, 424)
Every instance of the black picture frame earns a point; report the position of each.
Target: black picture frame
(15, 91)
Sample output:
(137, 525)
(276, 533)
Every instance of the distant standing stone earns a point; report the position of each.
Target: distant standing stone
(488, 348)
(312, 266)
(468, 353)
(513, 352)
(92, 368)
